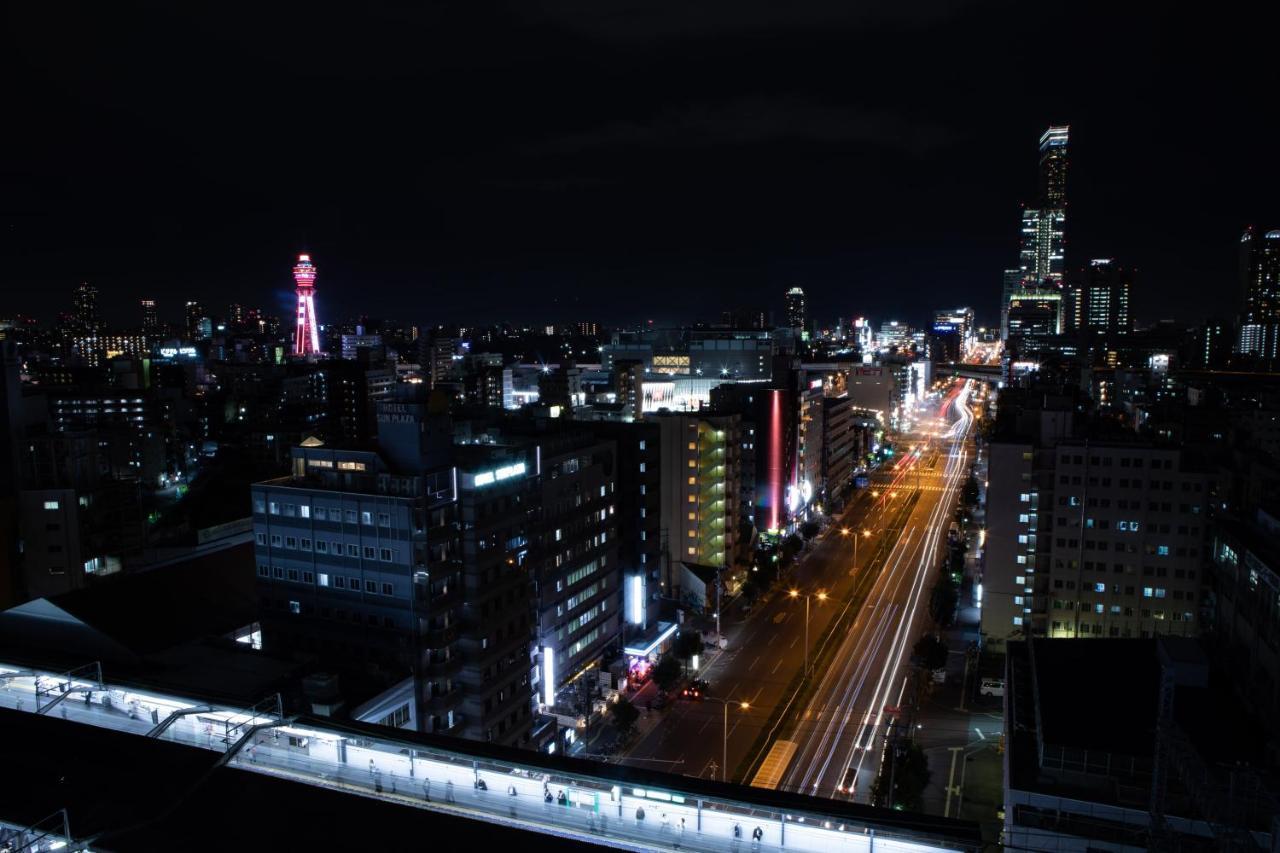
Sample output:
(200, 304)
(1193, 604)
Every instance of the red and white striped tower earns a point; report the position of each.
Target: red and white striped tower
(306, 338)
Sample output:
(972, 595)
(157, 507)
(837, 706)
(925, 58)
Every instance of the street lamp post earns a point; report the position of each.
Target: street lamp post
(844, 531)
(822, 596)
(724, 744)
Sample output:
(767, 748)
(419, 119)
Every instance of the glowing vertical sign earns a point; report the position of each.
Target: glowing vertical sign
(774, 465)
(548, 676)
(635, 600)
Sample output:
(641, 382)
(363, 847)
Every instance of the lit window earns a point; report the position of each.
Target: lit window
(366, 518)
(273, 508)
(304, 511)
(322, 579)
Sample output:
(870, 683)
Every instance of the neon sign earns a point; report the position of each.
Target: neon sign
(506, 472)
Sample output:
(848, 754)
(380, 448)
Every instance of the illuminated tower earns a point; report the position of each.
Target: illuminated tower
(306, 338)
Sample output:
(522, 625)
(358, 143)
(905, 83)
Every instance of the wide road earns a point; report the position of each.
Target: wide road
(767, 648)
(838, 735)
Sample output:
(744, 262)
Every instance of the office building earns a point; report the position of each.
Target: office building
(197, 321)
(1101, 299)
(1053, 167)
(1041, 258)
(1260, 282)
(741, 354)
(1088, 537)
(392, 573)
(1034, 313)
(1242, 612)
(85, 307)
(150, 317)
(352, 344)
(796, 316)
(945, 342)
(1011, 282)
(575, 568)
(639, 508)
(894, 335)
(962, 320)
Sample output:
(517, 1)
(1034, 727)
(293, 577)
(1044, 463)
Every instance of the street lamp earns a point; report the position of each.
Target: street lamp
(724, 747)
(821, 596)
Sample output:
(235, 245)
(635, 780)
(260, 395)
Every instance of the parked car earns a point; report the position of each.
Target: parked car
(991, 687)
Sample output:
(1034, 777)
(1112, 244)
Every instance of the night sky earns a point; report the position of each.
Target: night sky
(557, 161)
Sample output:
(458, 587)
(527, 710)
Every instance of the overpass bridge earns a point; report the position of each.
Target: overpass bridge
(562, 799)
(981, 372)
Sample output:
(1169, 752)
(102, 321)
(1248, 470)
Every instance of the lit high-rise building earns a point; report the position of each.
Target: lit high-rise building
(795, 308)
(86, 306)
(1053, 167)
(1042, 245)
(1042, 251)
(1011, 282)
(1101, 299)
(150, 317)
(306, 338)
(962, 319)
(1260, 281)
(195, 314)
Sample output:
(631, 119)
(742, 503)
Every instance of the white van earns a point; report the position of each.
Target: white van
(991, 687)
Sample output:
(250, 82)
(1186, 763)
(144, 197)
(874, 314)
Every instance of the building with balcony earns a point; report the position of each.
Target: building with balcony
(699, 482)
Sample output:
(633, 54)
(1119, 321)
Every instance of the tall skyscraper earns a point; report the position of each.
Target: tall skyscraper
(1100, 299)
(150, 318)
(1010, 283)
(85, 301)
(306, 338)
(1053, 167)
(1042, 254)
(795, 308)
(1260, 282)
(1042, 245)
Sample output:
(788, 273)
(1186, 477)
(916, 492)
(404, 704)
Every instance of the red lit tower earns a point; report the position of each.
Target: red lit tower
(306, 338)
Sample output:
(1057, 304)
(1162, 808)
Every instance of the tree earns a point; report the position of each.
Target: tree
(931, 652)
(810, 529)
(624, 715)
(908, 773)
(667, 672)
(943, 601)
(687, 644)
